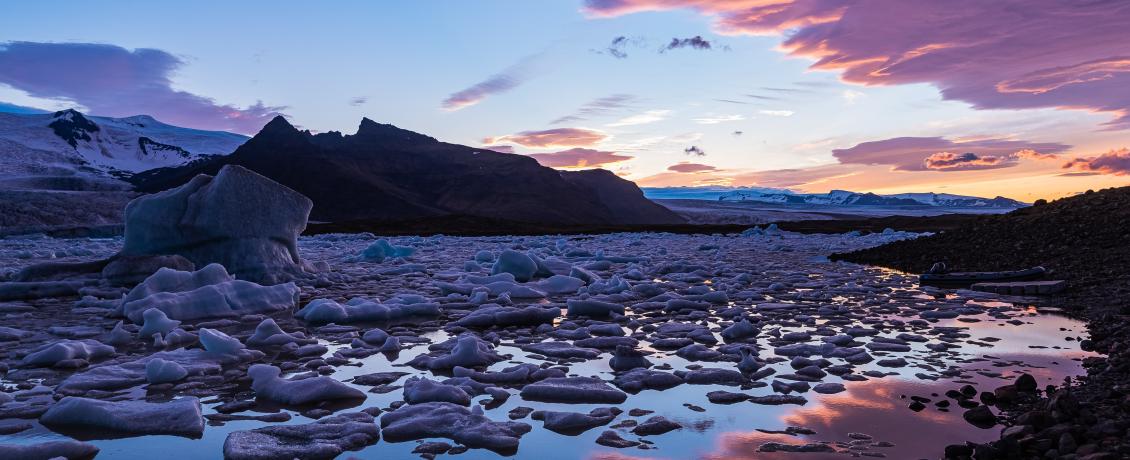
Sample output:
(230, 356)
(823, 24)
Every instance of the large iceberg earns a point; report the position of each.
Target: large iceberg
(240, 219)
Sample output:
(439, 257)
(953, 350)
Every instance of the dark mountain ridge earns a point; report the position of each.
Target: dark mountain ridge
(387, 173)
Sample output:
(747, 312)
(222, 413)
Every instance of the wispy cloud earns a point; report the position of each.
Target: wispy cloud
(650, 116)
(598, 107)
(114, 81)
(715, 119)
(501, 82)
(777, 113)
(550, 138)
(359, 100)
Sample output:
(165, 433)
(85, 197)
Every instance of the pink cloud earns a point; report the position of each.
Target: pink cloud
(685, 167)
(1002, 54)
(558, 137)
(1114, 162)
(578, 158)
(113, 81)
(941, 154)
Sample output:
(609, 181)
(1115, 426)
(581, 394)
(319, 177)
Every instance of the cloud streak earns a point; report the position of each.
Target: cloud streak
(941, 154)
(114, 81)
(579, 158)
(598, 107)
(550, 138)
(1004, 54)
(501, 82)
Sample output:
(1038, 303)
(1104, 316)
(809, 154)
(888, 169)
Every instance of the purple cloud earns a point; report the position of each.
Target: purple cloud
(1002, 54)
(557, 137)
(684, 167)
(501, 82)
(578, 158)
(113, 81)
(937, 153)
(1114, 162)
(695, 42)
(694, 150)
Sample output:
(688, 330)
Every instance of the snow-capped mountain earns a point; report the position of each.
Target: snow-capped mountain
(34, 144)
(832, 198)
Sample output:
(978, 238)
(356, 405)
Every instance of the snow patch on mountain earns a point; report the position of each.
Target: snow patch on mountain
(832, 198)
(68, 142)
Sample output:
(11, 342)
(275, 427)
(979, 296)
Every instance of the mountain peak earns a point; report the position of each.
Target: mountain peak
(71, 126)
(370, 131)
(278, 125)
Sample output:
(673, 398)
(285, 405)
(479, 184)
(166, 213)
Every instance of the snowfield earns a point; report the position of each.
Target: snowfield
(562, 346)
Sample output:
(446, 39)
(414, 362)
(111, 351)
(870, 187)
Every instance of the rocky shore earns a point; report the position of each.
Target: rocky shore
(1084, 240)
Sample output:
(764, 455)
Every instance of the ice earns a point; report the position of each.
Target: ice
(218, 343)
(655, 426)
(177, 417)
(154, 321)
(130, 270)
(269, 334)
(206, 293)
(11, 334)
(357, 309)
(637, 380)
(158, 370)
(49, 450)
(324, 439)
(574, 423)
(267, 384)
(593, 308)
(421, 390)
(515, 263)
(468, 351)
(19, 290)
(53, 354)
(118, 335)
(582, 390)
(454, 422)
(382, 249)
(254, 236)
(561, 350)
(560, 284)
(740, 330)
(627, 358)
(490, 315)
(116, 376)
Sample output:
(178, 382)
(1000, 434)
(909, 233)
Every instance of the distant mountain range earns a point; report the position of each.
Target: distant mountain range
(68, 143)
(832, 198)
(385, 173)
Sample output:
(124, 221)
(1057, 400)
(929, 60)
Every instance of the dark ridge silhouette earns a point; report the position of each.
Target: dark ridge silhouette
(384, 173)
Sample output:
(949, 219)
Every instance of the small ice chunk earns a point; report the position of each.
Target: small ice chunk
(267, 384)
(452, 421)
(205, 293)
(156, 322)
(581, 390)
(421, 390)
(219, 343)
(50, 354)
(268, 333)
(158, 370)
(593, 308)
(177, 417)
(326, 438)
(515, 263)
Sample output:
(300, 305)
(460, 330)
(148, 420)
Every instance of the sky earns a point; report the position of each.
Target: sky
(1025, 99)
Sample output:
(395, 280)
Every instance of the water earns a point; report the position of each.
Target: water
(1002, 342)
